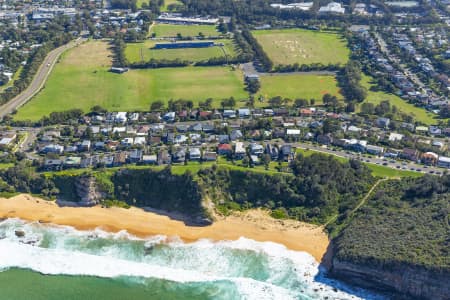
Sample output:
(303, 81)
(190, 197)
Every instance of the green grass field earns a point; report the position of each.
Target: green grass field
(169, 30)
(169, 2)
(289, 46)
(82, 80)
(419, 114)
(137, 52)
(299, 86)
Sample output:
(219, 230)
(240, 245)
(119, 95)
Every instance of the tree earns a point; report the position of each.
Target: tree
(265, 159)
(367, 108)
(298, 103)
(98, 109)
(158, 105)
(275, 101)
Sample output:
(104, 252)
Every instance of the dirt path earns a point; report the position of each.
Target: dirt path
(361, 203)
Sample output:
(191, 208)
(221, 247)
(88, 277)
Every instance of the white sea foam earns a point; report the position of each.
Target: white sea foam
(290, 274)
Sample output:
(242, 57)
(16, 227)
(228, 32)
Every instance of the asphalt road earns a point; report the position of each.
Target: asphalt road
(39, 79)
(382, 161)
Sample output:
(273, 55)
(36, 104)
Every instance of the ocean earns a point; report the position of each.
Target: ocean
(59, 262)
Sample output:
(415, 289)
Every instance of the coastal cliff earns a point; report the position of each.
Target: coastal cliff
(402, 278)
(395, 238)
(399, 241)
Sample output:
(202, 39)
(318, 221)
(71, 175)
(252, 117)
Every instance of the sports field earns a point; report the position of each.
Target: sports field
(137, 52)
(419, 114)
(170, 30)
(299, 86)
(169, 2)
(82, 80)
(290, 46)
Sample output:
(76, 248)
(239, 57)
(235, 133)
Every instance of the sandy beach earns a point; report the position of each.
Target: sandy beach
(254, 224)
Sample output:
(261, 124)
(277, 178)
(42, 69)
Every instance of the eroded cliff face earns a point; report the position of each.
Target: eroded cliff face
(414, 282)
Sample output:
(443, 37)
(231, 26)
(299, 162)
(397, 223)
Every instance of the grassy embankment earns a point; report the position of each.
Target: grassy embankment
(419, 114)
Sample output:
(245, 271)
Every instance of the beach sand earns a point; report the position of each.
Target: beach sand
(253, 224)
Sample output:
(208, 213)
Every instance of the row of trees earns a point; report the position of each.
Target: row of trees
(119, 45)
(262, 56)
(306, 68)
(349, 80)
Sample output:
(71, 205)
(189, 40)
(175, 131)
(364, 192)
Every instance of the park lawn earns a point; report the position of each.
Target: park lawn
(171, 30)
(299, 86)
(82, 80)
(165, 7)
(290, 46)
(137, 52)
(419, 114)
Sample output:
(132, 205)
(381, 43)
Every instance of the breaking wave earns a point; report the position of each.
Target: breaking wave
(256, 270)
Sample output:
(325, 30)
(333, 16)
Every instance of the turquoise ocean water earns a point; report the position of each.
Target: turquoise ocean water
(59, 262)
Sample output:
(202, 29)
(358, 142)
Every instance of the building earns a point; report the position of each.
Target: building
(224, 149)
(429, 158)
(195, 154)
(173, 18)
(256, 149)
(375, 150)
(286, 153)
(181, 45)
(332, 8)
(209, 156)
(239, 150)
(164, 158)
(149, 159)
(118, 70)
(444, 162)
(299, 5)
(383, 122)
(410, 154)
(179, 156)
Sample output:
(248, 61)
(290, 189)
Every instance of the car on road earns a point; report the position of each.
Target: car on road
(48, 65)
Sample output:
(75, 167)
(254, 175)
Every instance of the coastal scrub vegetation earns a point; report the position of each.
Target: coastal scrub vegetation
(321, 188)
(405, 221)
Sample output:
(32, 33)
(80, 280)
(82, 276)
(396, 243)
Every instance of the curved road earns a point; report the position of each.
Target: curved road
(39, 79)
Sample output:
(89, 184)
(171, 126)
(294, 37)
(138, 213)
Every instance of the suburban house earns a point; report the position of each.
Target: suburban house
(410, 154)
(239, 150)
(444, 162)
(195, 154)
(224, 149)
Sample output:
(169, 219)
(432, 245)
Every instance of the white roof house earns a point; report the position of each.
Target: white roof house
(332, 8)
(444, 162)
(120, 117)
(395, 137)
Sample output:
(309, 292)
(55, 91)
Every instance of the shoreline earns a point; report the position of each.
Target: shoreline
(254, 224)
